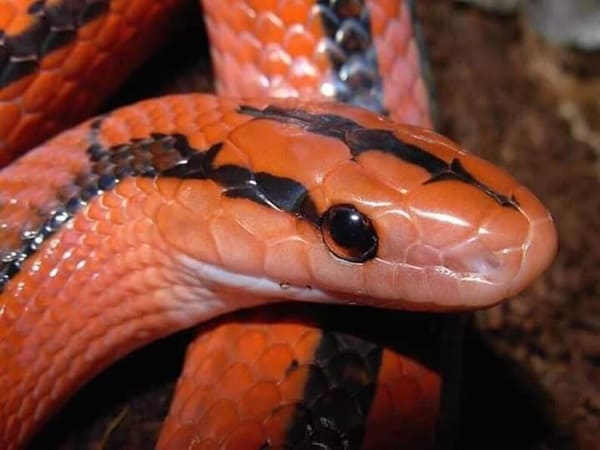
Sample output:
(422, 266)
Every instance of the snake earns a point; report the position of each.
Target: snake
(313, 176)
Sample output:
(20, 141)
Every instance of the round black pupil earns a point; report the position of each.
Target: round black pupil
(349, 229)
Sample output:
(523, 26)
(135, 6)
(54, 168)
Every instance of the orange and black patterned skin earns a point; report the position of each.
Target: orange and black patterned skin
(297, 382)
(61, 59)
(123, 221)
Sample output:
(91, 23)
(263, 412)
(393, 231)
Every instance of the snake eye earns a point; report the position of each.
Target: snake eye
(348, 233)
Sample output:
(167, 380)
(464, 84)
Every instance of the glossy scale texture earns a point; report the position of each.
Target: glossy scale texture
(400, 407)
(162, 250)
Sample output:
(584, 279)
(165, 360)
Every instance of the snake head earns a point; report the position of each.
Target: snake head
(330, 203)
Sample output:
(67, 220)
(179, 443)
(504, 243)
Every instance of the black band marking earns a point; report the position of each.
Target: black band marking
(53, 27)
(360, 139)
(159, 155)
(337, 395)
(349, 44)
(345, 370)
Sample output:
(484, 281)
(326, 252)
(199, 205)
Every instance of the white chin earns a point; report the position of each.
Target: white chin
(219, 280)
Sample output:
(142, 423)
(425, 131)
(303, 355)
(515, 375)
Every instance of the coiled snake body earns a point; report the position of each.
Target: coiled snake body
(170, 212)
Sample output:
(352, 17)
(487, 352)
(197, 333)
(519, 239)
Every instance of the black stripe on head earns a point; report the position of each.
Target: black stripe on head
(360, 139)
(158, 155)
(53, 27)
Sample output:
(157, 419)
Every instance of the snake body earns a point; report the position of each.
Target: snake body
(170, 212)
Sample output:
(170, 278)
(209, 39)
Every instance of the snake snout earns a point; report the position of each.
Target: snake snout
(468, 251)
(510, 249)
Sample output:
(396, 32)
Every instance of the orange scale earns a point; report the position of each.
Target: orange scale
(303, 339)
(259, 400)
(76, 62)
(183, 436)
(222, 419)
(234, 380)
(232, 119)
(248, 49)
(110, 34)
(200, 123)
(25, 289)
(250, 344)
(58, 59)
(141, 231)
(239, 250)
(291, 255)
(379, 13)
(445, 205)
(269, 28)
(213, 342)
(263, 222)
(340, 187)
(298, 41)
(278, 422)
(197, 401)
(199, 248)
(101, 63)
(41, 91)
(274, 362)
(214, 133)
(7, 14)
(429, 141)
(293, 11)
(210, 370)
(423, 256)
(327, 270)
(408, 396)
(490, 175)
(248, 435)
(239, 17)
(382, 405)
(410, 279)
(10, 113)
(396, 234)
(66, 90)
(274, 61)
(292, 385)
(263, 5)
(504, 229)
(168, 188)
(299, 162)
(231, 154)
(19, 23)
(15, 89)
(161, 122)
(380, 275)
(97, 211)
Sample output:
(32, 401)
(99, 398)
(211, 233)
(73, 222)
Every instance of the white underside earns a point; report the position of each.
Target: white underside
(221, 281)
